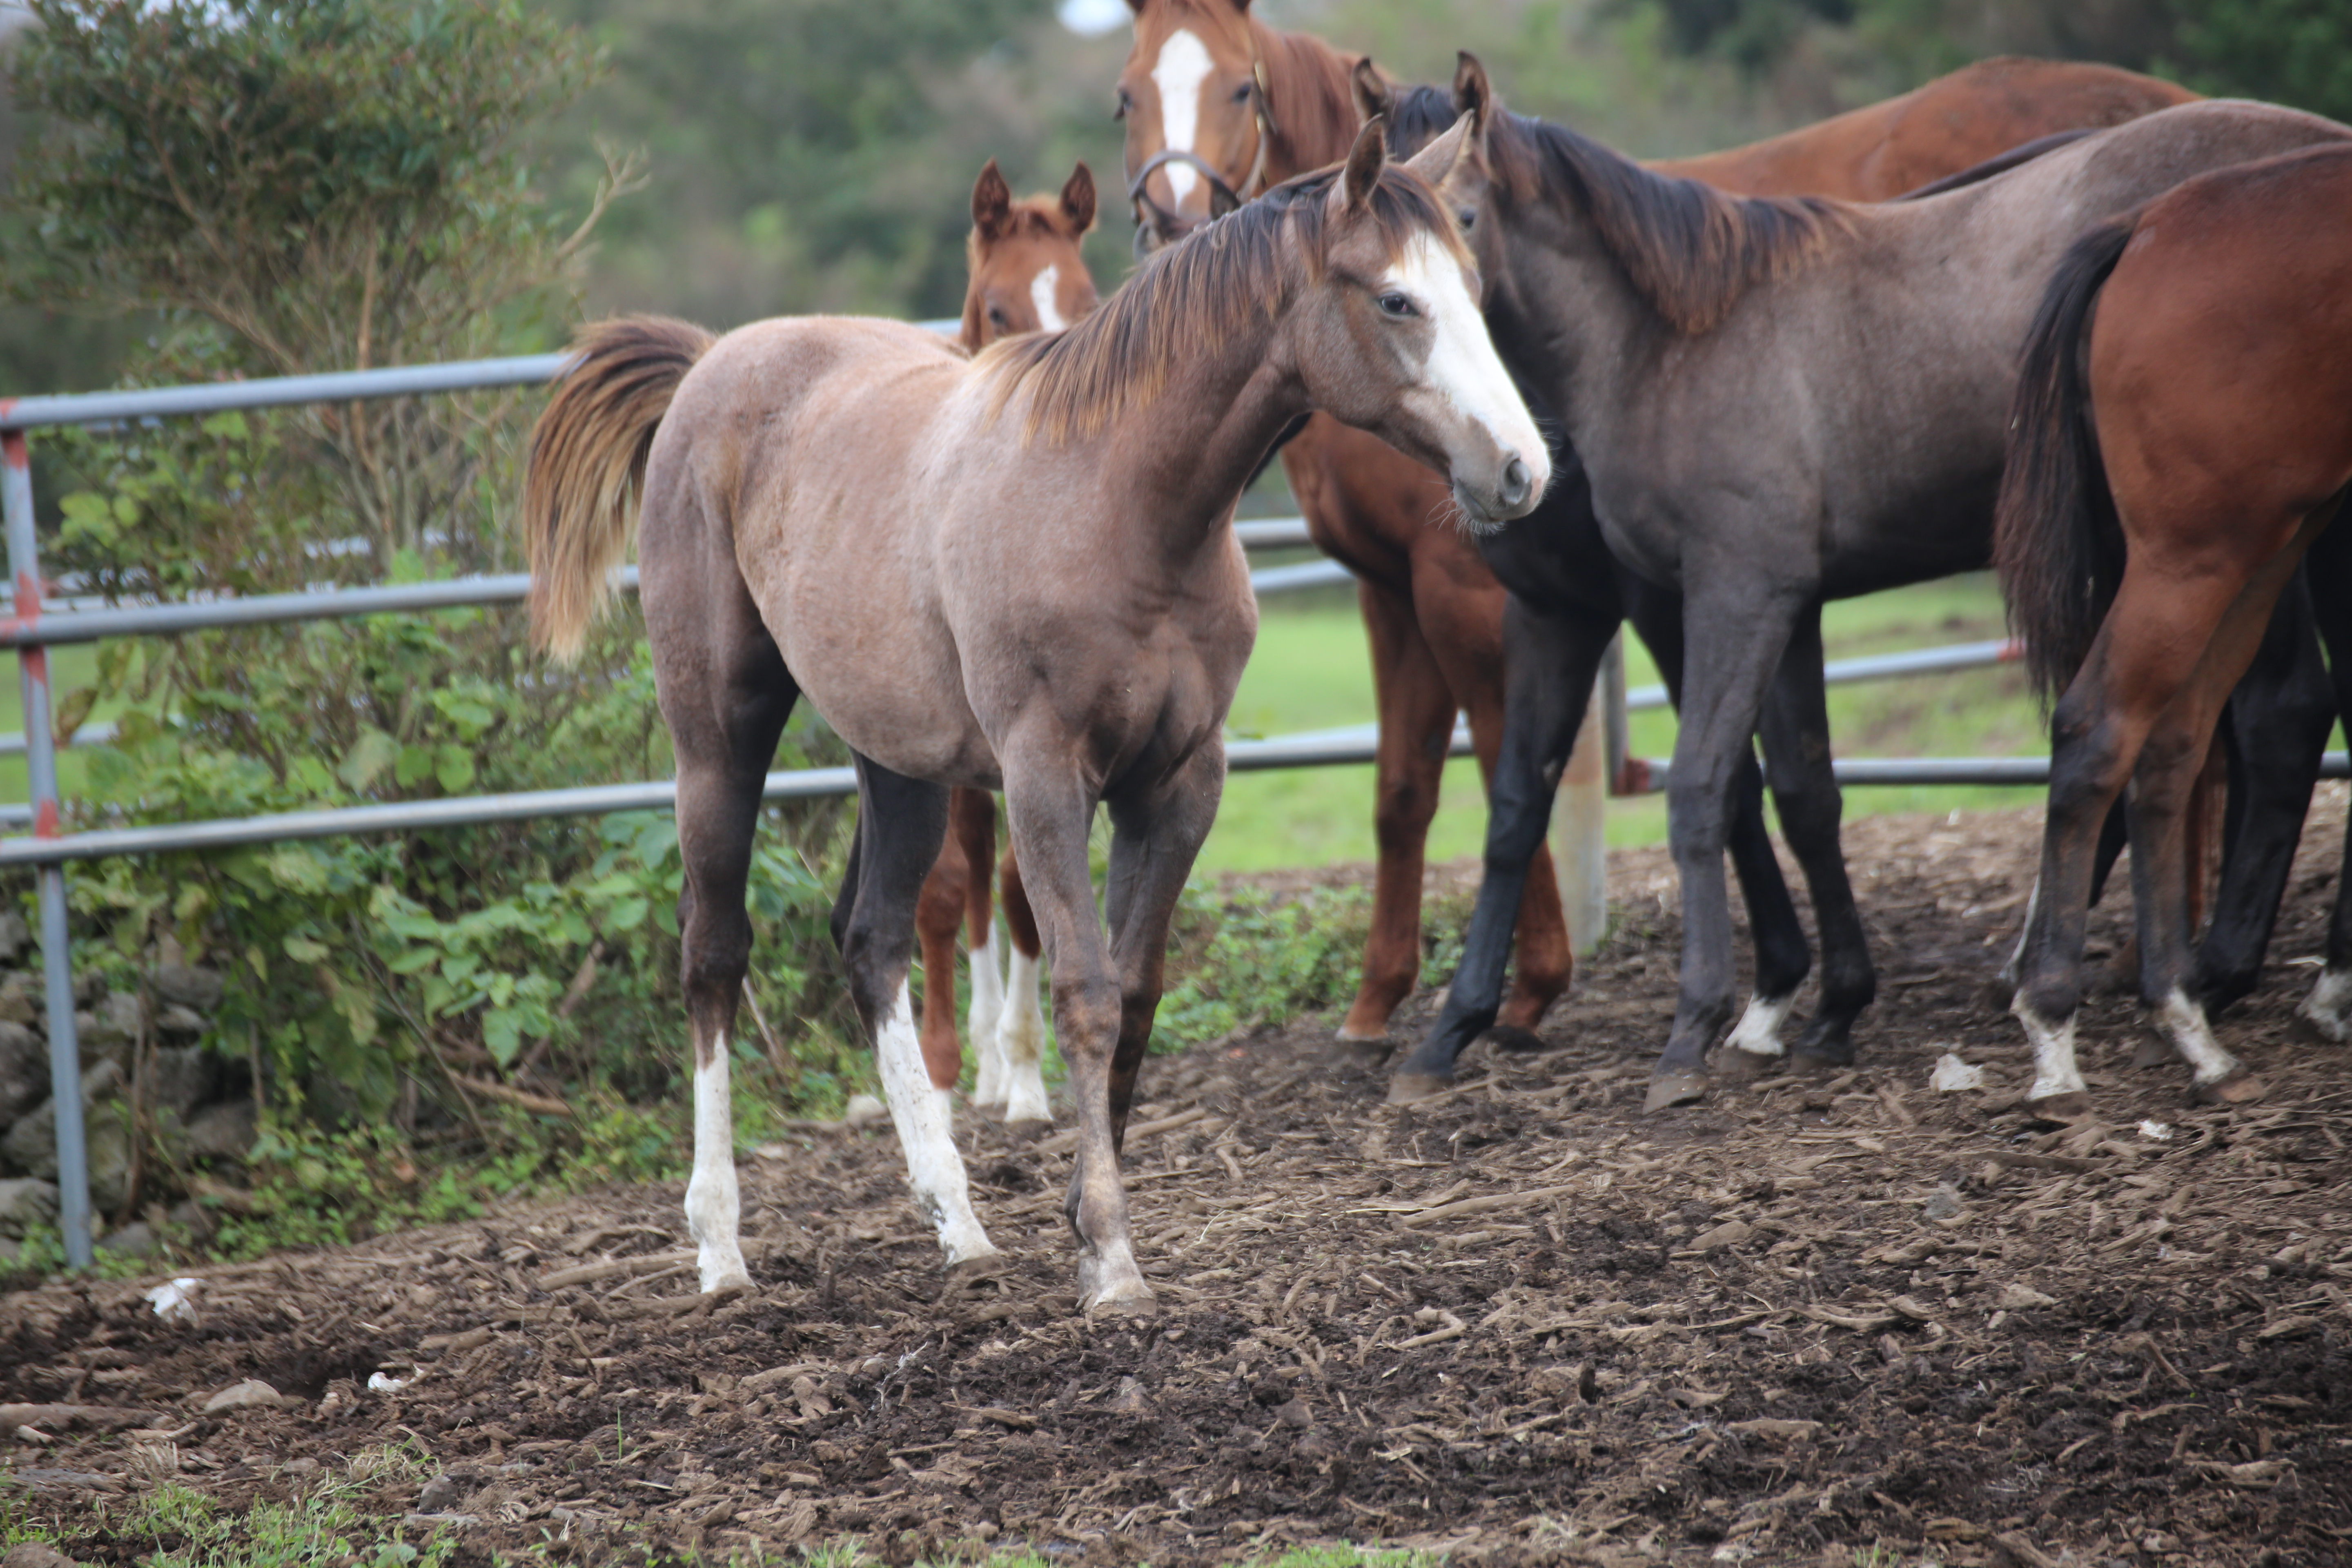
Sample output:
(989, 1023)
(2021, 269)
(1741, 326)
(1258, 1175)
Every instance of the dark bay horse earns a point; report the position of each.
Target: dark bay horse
(1213, 99)
(1027, 274)
(1015, 569)
(1775, 402)
(2182, 434)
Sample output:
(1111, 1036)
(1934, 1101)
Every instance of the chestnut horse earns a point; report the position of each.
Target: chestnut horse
(1028, 275)
(2182, 433)
(1012, 570)
(1210, 93)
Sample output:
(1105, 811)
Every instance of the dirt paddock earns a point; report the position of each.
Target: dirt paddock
(1842, 1320)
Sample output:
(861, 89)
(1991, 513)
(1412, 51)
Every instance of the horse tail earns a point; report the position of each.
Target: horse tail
(587, 467)
(2056, 541)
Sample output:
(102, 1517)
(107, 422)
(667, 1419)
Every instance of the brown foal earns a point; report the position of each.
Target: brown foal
(1012, 570)
(1210, 93)
(2188, 386)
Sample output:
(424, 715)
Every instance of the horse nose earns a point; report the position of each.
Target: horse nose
(1516, 483)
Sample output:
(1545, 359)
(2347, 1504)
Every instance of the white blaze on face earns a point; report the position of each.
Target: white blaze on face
(1463, 367)
(927, 1137)
(1042, 295)
(1183, 67)
(713, 1205)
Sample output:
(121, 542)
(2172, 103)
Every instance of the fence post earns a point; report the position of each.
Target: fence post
(1580, 819)
(41, 765)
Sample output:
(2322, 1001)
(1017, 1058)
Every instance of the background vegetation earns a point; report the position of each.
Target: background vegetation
(210, 188)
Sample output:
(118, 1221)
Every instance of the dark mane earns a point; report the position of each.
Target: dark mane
(1194, 294)
(1688, 249)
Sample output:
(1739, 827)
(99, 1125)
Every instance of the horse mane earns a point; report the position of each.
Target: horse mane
(1194, 294)
(1689, 250)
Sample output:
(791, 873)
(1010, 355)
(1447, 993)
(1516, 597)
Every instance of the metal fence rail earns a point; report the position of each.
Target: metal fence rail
(40, 621)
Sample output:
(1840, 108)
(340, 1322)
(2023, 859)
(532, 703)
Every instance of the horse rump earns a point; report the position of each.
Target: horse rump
(2057, 544)
(587, 466)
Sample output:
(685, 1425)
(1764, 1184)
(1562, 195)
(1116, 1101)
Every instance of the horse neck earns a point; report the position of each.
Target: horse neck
(1189, 452)
(1566, 318)
(1314, 105)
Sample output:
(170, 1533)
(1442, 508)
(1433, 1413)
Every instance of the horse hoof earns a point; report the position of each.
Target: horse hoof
(2151, 1052)
(2071, 1105)
(1516, 1040)
(2238, 1088)
(1354, 1033)
(1407, 1086)
(1673, 1088)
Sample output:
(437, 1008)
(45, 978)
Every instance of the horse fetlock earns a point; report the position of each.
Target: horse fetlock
(2192, 1037)
(1758, 1033)
(2328, 1008)
(714, 1204)
(1024, 1093)
(1109, 1277)
(2055, 1073)
(982, 1023)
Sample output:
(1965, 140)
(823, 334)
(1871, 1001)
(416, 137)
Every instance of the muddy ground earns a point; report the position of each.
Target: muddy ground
(1526, 1322)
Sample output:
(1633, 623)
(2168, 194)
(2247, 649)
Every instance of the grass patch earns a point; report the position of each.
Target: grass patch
(171, 1525)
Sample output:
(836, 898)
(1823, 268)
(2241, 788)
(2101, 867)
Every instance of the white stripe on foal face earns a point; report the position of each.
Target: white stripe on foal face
(1463, 367)
(1183, 66)
(1042, 294)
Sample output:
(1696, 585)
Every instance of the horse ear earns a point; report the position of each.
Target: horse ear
(1372, 91)
(1435, 161)
(1078, 198)
(1366, 158)
(1474, 94)
(991, 203)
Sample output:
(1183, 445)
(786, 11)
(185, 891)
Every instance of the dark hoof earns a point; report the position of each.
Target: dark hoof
(2239, 1088)
(1735, 1068)
(2151, 1052)
(1407, 1086)
(1673, 1088)
(2072, 1106)
(1518, 1041)
(1360, 1053)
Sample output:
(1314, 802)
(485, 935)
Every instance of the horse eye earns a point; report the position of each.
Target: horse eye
(1241, 93)
(1396, 305)
(1466, 217)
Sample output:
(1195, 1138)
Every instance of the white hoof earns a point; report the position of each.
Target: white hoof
(1758, 1030)
(2328, 1008)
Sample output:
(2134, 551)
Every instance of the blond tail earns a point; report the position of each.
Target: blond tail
(587, 467)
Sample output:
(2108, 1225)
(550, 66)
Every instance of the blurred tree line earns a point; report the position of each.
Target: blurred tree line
(816, 154)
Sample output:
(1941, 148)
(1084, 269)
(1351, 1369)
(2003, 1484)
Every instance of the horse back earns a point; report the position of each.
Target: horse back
(1879, 152)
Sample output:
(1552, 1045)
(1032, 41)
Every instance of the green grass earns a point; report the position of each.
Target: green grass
(1312, 671)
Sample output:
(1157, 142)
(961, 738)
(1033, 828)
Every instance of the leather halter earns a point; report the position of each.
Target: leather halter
(1223, 197)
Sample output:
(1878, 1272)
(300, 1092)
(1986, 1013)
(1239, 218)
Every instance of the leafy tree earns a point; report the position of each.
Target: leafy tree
(2290, 51)
(330, 184)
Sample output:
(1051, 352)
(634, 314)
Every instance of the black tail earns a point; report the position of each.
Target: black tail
(2056, 541)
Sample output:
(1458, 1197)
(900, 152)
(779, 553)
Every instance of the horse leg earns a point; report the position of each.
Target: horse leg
(724, 723)
(938, 910)
(2328, 1009)
(972, 826)
(2157, 633)
(903, 821)
(1416, 710)
(2275, 730)
(1548, 680)
(1734, 649)
(1051, 808)
(1805, 788)
(2170, 761)
(1154, 841)
(1021, 1031)
(1465, 632)
(1783, 956)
